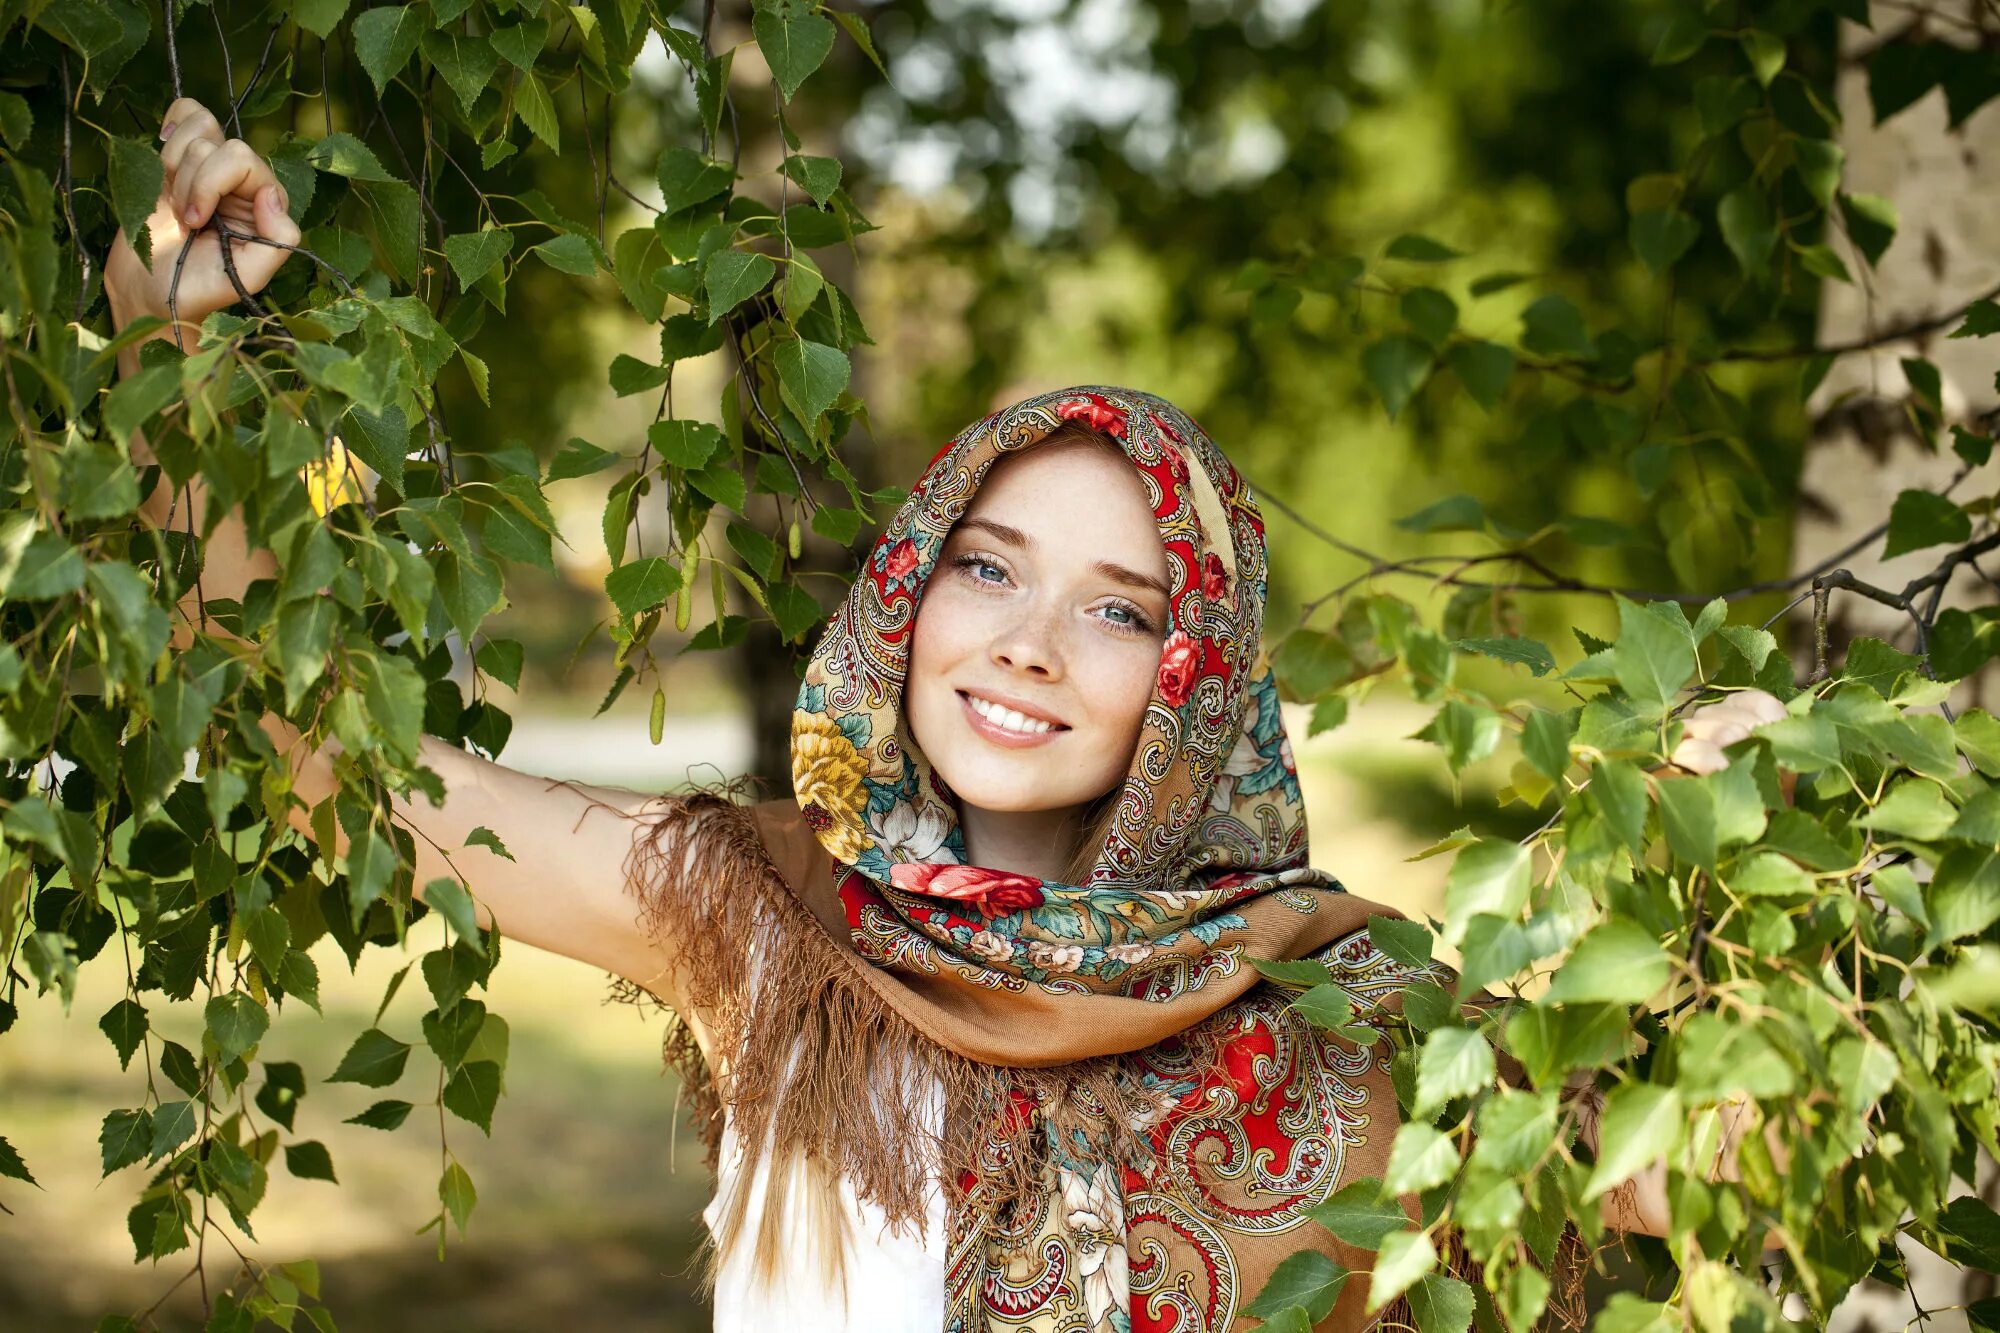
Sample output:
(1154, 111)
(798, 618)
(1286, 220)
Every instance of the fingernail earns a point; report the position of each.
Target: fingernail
(167, 130)
(193, 215)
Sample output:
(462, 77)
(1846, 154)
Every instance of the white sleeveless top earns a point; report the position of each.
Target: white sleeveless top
(894, 1280)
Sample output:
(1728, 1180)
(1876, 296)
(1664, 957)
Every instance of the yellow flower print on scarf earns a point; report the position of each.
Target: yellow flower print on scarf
(826, 776)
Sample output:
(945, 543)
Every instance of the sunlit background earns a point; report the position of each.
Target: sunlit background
(1065, 192)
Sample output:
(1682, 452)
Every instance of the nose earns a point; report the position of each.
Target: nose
(1031, 642)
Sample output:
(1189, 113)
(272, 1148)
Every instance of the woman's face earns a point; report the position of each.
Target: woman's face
(1049, 599)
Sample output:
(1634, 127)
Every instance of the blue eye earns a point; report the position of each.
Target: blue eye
(972, 562)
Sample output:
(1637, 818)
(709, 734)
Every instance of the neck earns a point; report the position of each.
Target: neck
(1026, 842)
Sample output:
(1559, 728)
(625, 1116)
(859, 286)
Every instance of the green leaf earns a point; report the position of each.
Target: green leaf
(687, 178)
(464, 61)
(1924, 518)
(1420, 249)
(1871, 223)
(1441, 1304)
(1455, 1062)
(1660, 236)
(1484, 368)
(1744, 215)
(1689, 818)
(1294, 972)
(375, 1060)
(473, 1092)
(811, 376)
(341, 154)
(1818, 162)
(1326, 1005)
(1465, 732)
(567, 253)
(1308, 1279)
(1490, 876)
(124, 1138)
(733, 277)
(722, 484)
(1770, 875)
(449, 898)
(1405, 1257)
(1641, 1124)
(793, 39)
(819, 177)
(1766, 53)
(382, 1115)
(309, 1160)
(794, 610)
(1901, 72)
(521, 43)
(641, 585)
(136, 178)
(1530, 653)
(1360, 1215)
(1545, 743)
(236, 1023)
(1553, 326)
(1626, 1313)
(385, 39)
(1982, 320)
(456, 1191)
(1407, 942)
(1970, 1232)
(1684, 34)
(1454, 513)
(1419, 1159)
(125, 1024)
(1429, 312)
(1618, 962)
(12, 1166)
(1395, 366)
(685, 444)
(1913, 808)
(1514, 1130)
(1653, 658)
(473, 255)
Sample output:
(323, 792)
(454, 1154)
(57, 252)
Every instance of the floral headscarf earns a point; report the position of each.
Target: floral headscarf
(1210, 810)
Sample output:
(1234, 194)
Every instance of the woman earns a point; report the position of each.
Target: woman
(969, 1016)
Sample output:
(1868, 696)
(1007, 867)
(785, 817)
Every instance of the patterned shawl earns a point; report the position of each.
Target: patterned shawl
(1135, 1122)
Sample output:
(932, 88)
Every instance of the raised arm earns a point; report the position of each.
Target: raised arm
(564, 889)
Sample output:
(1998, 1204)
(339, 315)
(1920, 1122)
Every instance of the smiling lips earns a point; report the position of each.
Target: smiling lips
(1006, 726)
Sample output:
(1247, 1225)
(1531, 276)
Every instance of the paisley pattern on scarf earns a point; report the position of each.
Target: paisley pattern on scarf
(1203, 868)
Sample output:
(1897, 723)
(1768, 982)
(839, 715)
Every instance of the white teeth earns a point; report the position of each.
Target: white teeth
(1007, 718)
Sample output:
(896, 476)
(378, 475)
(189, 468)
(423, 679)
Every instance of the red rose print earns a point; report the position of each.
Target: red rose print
(992, 892)
(902, 558)
(1165, 429)
(1099, 414)
(1213, 580)
(1177, 464)
(1177, 668)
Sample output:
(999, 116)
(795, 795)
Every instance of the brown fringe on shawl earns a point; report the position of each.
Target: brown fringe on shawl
(819, 1071)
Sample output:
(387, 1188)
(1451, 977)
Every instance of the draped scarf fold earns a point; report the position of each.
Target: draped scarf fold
(1135, 1123)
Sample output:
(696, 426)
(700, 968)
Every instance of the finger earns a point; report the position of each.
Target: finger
(1761, 704)
(257, 264)
(234, 168)
(1718, 728)
(192, 124)
(181, 184)
(1698, 756)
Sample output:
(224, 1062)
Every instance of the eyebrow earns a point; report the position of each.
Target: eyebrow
(1131, 578)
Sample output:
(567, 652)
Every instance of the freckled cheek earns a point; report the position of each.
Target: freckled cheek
(1121, 686)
